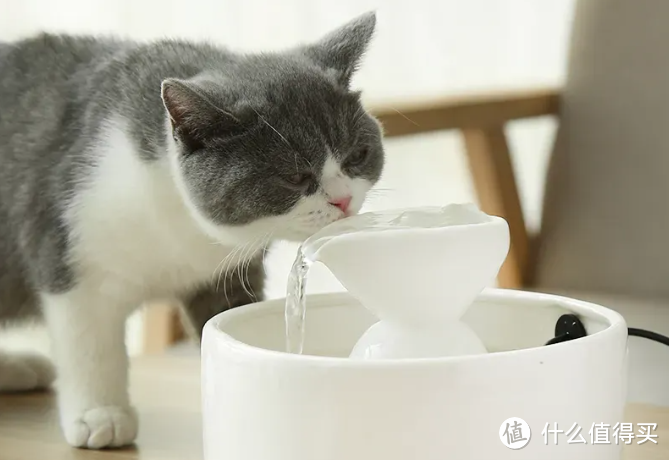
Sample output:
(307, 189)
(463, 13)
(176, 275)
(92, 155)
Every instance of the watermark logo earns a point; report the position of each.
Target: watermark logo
(601, 433)
(515, 433)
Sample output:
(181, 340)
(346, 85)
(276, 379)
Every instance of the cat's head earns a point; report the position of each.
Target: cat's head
(276, 143)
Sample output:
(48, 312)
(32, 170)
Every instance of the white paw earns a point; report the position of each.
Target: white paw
(25, 372)
(109, 426)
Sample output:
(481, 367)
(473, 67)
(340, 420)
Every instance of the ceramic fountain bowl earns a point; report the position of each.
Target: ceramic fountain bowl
(260, 403)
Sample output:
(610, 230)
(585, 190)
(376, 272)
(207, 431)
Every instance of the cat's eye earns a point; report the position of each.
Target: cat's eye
(358, 157)
(299, 179)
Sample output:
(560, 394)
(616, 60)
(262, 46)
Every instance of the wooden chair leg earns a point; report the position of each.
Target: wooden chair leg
(162, 328)
(495, 184)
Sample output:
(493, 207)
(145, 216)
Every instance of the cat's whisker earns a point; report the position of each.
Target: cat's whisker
(223, 262)
(229, 271)
(309, 163)
(404, 116)
(243, 267)
(227, 265)
(272, 127)
(263, 243)
(238, 265)
(376, 196)
(266, 250)
(378, 192)
(359, 115)
(220, 267)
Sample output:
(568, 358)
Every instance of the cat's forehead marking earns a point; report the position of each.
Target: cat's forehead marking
(331, 168)
(334, 182)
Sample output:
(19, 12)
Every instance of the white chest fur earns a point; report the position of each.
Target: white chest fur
(134, 235)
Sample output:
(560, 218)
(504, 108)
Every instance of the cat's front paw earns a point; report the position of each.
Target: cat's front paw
(109, 426)
(25, 372)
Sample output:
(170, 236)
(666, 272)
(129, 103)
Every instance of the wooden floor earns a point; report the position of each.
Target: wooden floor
(167, 393)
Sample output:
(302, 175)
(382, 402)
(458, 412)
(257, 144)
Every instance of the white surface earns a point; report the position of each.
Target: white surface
(323, 407)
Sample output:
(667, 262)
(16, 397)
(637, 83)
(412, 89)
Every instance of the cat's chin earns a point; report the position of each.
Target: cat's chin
(257, 233)
(292, 228)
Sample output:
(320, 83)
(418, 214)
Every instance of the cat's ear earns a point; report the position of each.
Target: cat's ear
(341, 50)
(192, 114)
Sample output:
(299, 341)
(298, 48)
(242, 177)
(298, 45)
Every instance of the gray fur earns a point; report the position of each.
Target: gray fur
(56, 91)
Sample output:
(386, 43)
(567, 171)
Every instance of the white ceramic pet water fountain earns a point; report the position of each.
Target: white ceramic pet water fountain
(418, 360)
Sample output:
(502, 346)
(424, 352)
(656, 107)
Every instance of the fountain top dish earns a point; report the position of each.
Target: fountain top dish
(421, 267)
(415, 219)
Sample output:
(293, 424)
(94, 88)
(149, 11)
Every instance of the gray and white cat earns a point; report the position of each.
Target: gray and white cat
(135, 172)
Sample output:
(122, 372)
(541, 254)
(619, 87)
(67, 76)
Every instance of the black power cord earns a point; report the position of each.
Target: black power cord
(570, 327)
(648, 335)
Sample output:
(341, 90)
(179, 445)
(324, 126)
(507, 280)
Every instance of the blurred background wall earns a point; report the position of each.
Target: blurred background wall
(422, 49)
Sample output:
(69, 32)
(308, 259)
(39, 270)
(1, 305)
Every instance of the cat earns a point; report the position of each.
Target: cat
(132, 172)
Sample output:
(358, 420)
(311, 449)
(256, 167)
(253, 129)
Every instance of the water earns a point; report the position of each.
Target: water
(296, 308)
(307, 254)
(296, 303)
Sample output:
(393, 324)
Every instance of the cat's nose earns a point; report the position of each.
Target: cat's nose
(342, 203)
